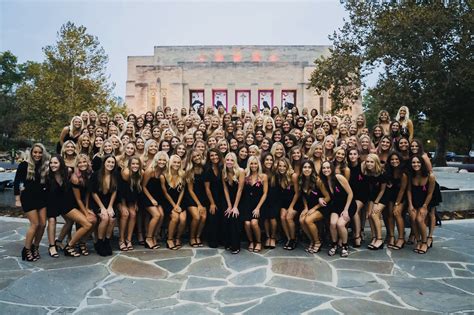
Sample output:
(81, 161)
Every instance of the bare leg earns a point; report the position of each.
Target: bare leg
(290, 221)
(40, 227)
(193, 211)
(284, 225)
(333, 227)
(33, 217)
(124, 217)
(77, 216)
(202, 223)
(248, 232)
(356, 222)
(377, 220)
(155, 217)
(131, 221)
(342, 229)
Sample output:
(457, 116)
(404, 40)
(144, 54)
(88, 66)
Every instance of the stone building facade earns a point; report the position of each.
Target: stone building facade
(183, 76)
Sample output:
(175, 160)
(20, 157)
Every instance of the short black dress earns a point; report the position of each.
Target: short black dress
(71, 202)
(375, 184)
(154, 187)
(394, 189)
(215, 184)
(286, 196)
(271, 207)
(339, 200)
(104, 197)
(312, 199)
(57, 199)
(34, 195)
(359, 184)
(199, 190)
(125, 193)
(174, 194)
(251, 196)
(419, 194)
(232, 189)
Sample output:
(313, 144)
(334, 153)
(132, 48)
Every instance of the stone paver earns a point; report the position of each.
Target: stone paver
(212, 281)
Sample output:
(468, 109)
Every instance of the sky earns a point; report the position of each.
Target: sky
(133, 28)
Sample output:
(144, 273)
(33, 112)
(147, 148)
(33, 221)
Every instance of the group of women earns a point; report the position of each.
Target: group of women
(218, 177)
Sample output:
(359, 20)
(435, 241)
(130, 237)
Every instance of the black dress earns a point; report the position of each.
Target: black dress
(174, 194)
(419, 194)
(199, 191)
(251, 197)
(231, 224)
(339, 200)
(312, 199)
(286, 197)
(359, 184)
(34, 195)
(271, 207)
(71, 202)
(154, 187)
(67, 138)
(214, 221)
(394, 189)
(125, 193)
(104, 197)
(57, 199)
(375, 185)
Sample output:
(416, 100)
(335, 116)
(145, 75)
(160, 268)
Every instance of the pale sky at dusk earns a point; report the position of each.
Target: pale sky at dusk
(128, 28)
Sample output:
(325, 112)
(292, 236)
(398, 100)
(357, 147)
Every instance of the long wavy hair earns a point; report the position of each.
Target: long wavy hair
(235, 171)
(62, 171)
(83, 176)
(248, 172)
(135, 177)
(378, 169)
(32, 165)
(101, 175)
(172, 176)
(193, 168)
(284, 180)
(308, 183)
(71, 126)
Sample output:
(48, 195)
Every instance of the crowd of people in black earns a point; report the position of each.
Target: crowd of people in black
(284, 178)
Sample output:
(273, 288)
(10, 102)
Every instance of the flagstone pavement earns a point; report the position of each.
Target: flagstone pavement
(213, 281)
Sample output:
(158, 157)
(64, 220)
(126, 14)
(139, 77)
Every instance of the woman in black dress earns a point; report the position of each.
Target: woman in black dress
(173, 186)
(272, 204)
(130, 187)
(342, 207)
(360, 188)
(397, 181)
(196, 197)
(104, 192)
(420, 200)
(77, 209)
(315, 199)
(215, 195)
(233, 180)
(71, 132)
(253, 197)
(153, 198)
(58, 179)
(287, 182)
(30, 194)
(372, 168)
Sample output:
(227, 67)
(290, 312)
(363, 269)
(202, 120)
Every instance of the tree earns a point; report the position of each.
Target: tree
(11, 75)
(425, 51)
(71, 79)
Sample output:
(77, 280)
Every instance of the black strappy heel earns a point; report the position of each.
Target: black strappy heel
(55, 255)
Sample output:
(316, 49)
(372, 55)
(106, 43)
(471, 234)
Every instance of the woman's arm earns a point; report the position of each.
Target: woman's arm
(410, 129)
(240, 189)
(146, 179)
(264, 195)
(347, 173)
(63, 135)
(212, 202)
(193, 194)
(165, 191)
(345, 185)
(294, 180)
(403, 187)
(431, 187)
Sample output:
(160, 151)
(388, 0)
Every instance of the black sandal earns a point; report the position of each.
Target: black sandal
(431, 243)
(172, 246)
(27, 254)
(59, 244)
(316, 248)
(292, 245)
(148, 245)
(35, 251)
(257, 250)
(123, 246)
(251, 247)
(83, 249)
(70, 251)
(357, 238)
(55, 255)
(421, 251)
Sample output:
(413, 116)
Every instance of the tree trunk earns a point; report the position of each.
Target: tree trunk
(442, 141)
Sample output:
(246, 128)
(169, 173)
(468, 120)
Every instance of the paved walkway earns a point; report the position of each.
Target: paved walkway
(210, 281)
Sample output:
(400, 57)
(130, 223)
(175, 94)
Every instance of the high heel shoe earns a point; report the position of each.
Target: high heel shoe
(257, 250)
(355, 239)
(333, 250)
(35, 251)
(27, 254)
(344, 250)
(422, 251)
(398, 247)
(370, 246)
(53, 255)
(377, 247)
(172, 246)
(70, 251)
(83, 249)
(148, 245)
(430, 244)
(59, 244)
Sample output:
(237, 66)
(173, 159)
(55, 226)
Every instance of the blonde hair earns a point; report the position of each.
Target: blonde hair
(284, 180)
(378, 169)
(63, 148)
(273, 149)
(313, 148)
(145, 151)
(133, 136)
(158, 155)
(248, 172)
(43, 164)
(403, 122)
(235, 170)
(71, 125)
(256, 148)
(189, 169)
(79, 144)
(180, 174)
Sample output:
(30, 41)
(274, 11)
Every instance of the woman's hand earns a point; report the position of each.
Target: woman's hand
(212, 209)
(256, 213)
(18, 203)
(235, 212)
